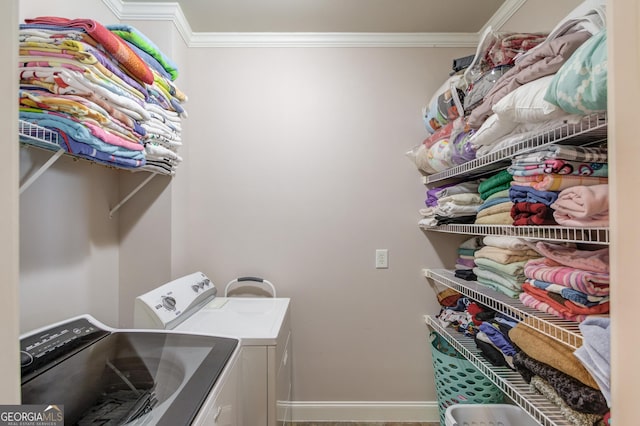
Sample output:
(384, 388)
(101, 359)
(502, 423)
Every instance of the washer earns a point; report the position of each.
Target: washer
(104, 376)
(190, 304)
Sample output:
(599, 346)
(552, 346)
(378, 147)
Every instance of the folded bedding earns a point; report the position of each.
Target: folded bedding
(505, 241)
(510, 282)
(574, 417)
(513, 269)
(539, 305)
(574, 393)
(565, 152)
(592, 283)
(497, 286)
(545, 59)
(503, 218)
(562, 305)
(577, 297)
(111, 43)
(555, 182)
(581, 205)
(138, 39)
(505, 256)
(78, 132)
(588, 260)
(504, 206)
(434, 194)
(551, 352)
(559, 166)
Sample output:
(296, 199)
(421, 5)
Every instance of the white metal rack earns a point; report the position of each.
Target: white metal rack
(550, 233)
(510, 382)
(564, 331)
(590, 130)
(33, 135)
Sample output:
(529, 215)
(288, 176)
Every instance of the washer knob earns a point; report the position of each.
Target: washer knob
(169, 303)
(25, 358)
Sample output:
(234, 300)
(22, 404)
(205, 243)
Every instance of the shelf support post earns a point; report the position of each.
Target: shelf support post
(131, 194)
(41, 170)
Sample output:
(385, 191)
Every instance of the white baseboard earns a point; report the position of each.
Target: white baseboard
(364, 411)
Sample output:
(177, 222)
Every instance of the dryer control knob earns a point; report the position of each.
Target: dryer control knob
(169, 303)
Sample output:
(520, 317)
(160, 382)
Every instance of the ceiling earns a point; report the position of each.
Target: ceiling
(334, 16)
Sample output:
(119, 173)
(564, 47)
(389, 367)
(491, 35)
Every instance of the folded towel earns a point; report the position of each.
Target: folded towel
(588, 260)
(504, 256)
(535, 214)
(595, 353)
(544, 269)
(111, 43)
(555, 182)
(527, 194)
(503, 218)
(505, 241)
(578, 205)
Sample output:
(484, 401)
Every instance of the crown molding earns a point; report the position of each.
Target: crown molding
(161, 11)
(155, 11)
(502, 15)
(333, 40)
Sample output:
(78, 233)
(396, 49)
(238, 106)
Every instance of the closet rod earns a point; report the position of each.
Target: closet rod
(131, 194)
(41, 170)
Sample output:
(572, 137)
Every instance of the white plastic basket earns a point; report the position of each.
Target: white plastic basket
(487, 415)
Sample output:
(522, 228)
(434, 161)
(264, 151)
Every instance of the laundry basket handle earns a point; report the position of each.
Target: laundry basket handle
(256, 279)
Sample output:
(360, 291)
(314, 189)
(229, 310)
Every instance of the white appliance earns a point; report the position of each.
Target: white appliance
(189, 304)
(106, 376)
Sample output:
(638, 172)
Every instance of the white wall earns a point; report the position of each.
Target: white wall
(624, 88)
(9, 270)
(538, 16)
(68, 244)
(296, 172)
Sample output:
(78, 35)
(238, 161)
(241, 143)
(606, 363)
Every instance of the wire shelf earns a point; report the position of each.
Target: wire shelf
(567, 332)
(510, 382)
(42, 137)
(550, 233)
(590, 130)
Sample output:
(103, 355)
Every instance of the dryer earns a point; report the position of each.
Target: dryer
(191, 304)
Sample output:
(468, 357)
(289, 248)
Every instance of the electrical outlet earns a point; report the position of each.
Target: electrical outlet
(382, 258)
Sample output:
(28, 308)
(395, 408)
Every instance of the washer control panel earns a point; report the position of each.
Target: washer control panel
(170, 304)
(48, 347)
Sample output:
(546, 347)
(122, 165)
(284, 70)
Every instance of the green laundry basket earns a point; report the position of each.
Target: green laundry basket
(457, 380)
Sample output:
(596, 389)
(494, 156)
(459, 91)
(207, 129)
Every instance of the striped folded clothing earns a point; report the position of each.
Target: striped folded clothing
(565, 152)
(544, 269)
(556, 182)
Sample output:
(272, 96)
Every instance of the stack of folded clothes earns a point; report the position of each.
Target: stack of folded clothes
(466, 259)
(567, 282)
(552, 369)
(540, 177)
(496, 207)
(492, 339)
(500, 263)
(108, 92)
(454, 203)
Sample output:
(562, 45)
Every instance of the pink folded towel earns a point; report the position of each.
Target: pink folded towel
(583, 206)
(588, 260)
